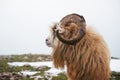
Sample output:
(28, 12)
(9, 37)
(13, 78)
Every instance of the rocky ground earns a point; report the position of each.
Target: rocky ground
(115, 75)
(8, 72)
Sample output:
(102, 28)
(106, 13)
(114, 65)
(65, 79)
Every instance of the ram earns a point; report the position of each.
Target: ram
(78, 47)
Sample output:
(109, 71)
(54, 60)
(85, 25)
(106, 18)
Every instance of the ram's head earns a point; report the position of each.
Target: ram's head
(69, 30)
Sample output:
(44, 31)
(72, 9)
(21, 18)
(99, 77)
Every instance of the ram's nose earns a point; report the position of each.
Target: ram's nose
(46, 40)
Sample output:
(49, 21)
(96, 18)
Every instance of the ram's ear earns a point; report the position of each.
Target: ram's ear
(70, 20)
(53, 27)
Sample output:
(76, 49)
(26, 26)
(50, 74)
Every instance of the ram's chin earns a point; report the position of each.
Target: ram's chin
(48, 44)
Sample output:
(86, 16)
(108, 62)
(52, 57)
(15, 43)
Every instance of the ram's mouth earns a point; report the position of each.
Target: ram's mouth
(48, 44)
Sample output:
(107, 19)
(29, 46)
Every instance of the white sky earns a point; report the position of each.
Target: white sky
(24, 24)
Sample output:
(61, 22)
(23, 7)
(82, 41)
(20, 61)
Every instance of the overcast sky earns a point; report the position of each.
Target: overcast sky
(24, 24)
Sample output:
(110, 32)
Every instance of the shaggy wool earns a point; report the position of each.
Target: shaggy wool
(89, 59)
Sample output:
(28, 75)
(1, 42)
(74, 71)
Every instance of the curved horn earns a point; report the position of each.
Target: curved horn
(71, 41)
(78, 20)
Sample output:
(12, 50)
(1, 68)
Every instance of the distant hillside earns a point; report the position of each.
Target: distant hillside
(26, 58)
(114, 58)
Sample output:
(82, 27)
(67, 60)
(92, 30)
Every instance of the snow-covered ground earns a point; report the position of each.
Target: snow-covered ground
(54, 71)
(34, 64)
(26, 72)
(114, 65)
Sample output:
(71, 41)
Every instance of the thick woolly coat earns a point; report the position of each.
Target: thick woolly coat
(89, 59)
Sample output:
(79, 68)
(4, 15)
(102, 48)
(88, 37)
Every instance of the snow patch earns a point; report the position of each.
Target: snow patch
(53, 71)
(34, 64)
(27, 72)
(115, 65)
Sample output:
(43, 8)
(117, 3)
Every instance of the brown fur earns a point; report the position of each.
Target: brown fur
(87, 60)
